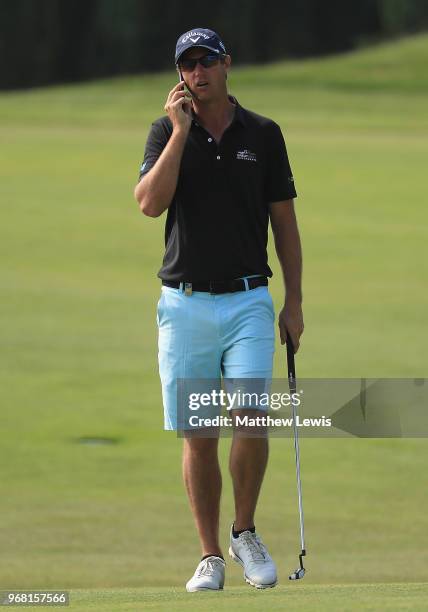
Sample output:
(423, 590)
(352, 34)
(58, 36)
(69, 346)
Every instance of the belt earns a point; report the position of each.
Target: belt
(229, 286)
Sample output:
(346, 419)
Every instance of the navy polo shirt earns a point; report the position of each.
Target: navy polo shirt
(217, 223)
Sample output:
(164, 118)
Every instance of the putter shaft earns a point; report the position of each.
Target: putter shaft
(300, 572)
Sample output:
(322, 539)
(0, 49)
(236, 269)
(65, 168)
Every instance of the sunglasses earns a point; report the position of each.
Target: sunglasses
(207, 61)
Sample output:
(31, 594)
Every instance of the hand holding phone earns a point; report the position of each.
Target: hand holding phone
(187, 106)
(178, 109)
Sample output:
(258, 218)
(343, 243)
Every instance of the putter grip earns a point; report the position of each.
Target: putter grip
(290, 357)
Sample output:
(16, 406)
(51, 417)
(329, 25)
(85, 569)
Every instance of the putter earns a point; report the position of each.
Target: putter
(300, 572)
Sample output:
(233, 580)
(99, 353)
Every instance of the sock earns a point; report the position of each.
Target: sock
(236, 534)
(211, 555)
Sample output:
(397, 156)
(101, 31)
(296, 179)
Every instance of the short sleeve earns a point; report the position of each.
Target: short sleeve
(279, 181)
(156, 142)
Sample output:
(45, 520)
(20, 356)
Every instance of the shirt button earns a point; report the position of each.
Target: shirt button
(218, 156)
(210, 139)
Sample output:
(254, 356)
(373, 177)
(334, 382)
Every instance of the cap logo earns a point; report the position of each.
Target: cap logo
(197, 35)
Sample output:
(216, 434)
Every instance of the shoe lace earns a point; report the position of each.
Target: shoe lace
(254, 546)
(208, 567)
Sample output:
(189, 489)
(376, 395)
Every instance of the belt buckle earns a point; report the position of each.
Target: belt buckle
(188, 289)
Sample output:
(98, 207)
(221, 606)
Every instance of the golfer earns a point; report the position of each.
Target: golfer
(220, 171)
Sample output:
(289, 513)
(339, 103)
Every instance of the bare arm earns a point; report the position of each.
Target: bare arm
(156, 189)
(289, 252)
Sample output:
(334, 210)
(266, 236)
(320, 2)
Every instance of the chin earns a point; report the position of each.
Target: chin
(206, 96)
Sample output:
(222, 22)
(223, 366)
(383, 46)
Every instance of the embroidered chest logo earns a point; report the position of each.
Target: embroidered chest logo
(247, 155)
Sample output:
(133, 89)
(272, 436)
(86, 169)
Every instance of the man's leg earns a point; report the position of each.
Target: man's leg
(247, 366)
(202, 477)
(248, 460)
(247, 464)
(190, 350)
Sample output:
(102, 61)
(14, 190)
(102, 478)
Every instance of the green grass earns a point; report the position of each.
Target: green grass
(78, 299)
(325, 598)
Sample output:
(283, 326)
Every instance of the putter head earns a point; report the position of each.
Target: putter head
(298, 574)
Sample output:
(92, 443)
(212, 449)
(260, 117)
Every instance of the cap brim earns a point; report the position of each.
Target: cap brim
(193, 46)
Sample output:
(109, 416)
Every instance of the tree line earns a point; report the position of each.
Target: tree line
(53, 41)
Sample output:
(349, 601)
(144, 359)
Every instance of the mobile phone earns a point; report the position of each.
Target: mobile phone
(186, 88)
(184, 82)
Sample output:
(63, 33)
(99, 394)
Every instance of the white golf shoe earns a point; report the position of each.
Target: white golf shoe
(249, 551)
(209, 575)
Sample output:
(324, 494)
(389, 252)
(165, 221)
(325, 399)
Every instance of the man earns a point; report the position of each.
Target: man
(221, 171)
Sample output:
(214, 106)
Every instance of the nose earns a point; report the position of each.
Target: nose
(198, 68)
(198, 73)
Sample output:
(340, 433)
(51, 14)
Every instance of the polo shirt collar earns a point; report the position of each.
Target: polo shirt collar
(239, 111)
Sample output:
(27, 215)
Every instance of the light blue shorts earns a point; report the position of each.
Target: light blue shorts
(205, 336)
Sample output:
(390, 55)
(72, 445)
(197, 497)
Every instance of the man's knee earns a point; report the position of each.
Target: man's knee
(202, 447)
(249, 423)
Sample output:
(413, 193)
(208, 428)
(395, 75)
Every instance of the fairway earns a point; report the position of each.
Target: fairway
(79, 291)
(323, 598)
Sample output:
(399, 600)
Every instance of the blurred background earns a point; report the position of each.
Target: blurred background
(52, 41)
(90, 485)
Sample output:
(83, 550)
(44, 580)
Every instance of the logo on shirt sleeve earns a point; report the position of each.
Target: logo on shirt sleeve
(247, 155)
